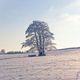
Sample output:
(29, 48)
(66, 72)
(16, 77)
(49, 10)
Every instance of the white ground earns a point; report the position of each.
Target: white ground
(56, 67)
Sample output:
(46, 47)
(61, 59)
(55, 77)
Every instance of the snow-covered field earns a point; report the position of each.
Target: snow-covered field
(55, 67)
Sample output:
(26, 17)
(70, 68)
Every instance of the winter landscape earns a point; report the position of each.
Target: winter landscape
(57, 65)
(39, 39)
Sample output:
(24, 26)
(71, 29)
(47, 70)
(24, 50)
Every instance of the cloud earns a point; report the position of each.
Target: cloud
(65, 23)
(75, 4)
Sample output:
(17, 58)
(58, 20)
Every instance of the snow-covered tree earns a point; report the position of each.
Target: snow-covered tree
(38, 36)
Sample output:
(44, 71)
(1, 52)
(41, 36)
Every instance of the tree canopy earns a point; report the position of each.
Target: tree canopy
(39, 37)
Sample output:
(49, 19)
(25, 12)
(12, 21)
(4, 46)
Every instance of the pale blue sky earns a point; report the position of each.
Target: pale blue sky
(63, 17)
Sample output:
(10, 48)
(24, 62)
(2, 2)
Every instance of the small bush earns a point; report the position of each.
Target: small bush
(31, 55)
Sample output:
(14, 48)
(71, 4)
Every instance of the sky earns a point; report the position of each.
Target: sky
(62, 16)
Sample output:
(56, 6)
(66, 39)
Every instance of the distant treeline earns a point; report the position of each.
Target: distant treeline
(16, 52)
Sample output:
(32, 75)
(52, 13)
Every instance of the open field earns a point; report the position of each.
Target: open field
(56, 67)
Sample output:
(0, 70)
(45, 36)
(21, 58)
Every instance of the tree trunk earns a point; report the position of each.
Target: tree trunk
(41, 54)
(41, 50)
(37, 42)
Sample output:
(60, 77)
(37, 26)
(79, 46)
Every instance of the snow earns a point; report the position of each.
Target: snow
(55, 67)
